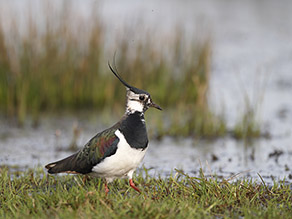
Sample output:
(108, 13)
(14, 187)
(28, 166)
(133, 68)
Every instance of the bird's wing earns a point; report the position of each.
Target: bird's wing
(103, 145)
(99, 147)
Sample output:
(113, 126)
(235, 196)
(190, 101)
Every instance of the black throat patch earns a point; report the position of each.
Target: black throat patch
(134, 130)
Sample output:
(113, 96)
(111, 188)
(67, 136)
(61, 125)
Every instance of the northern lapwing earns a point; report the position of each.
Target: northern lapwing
(117, 151)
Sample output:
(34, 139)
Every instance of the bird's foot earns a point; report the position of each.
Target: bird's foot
(133, 186)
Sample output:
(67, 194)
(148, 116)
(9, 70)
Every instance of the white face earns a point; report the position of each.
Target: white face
(137, 102)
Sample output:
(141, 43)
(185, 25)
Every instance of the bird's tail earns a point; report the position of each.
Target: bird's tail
(62, 166)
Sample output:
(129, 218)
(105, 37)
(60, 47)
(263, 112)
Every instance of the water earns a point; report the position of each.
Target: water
(30, 147)
(251, 59)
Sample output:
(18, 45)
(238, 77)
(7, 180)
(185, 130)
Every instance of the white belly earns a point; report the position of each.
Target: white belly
(123, 163)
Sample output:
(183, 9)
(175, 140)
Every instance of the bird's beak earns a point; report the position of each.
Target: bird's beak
(152, 104)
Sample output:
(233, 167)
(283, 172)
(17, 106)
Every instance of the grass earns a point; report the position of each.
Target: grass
(35, 194)
(247, 127)
(60, 63)
(63, 65)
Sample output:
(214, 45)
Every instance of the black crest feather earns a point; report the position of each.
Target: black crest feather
(116, 73)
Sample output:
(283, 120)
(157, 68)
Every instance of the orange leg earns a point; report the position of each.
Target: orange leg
(106, 188)
(133, 186)
(85, 178)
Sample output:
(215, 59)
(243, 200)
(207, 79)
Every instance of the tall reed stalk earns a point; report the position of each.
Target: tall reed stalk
(61, 65)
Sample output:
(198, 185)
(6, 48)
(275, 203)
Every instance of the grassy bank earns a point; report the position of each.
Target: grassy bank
(35, 194)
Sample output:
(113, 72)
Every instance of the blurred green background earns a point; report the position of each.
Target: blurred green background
(60, 63)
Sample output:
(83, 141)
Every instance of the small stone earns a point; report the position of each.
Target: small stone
(214, 157)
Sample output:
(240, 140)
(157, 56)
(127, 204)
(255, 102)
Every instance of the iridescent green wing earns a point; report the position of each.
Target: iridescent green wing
(103, 145)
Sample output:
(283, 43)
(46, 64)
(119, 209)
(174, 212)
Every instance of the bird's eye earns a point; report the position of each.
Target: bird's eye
(142, 97)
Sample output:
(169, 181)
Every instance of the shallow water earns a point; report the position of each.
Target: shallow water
(251, 57)
(31, 147)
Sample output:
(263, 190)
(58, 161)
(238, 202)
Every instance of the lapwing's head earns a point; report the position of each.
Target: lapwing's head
(137, 100)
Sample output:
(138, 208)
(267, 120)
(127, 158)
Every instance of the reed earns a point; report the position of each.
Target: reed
(62, 64)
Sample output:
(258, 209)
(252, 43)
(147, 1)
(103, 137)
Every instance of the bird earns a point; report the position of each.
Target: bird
(117, 151)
